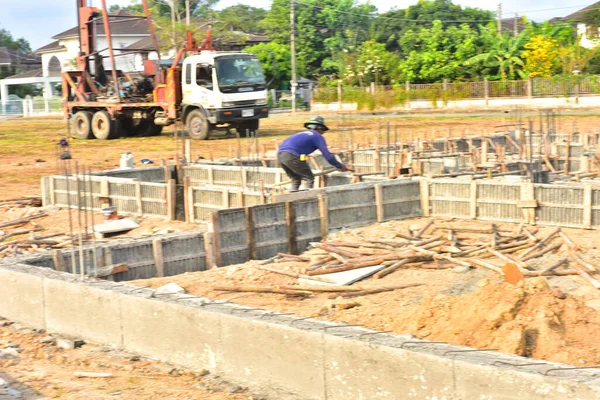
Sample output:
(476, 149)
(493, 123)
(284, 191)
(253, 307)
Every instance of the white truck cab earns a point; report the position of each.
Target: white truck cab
(222, 89)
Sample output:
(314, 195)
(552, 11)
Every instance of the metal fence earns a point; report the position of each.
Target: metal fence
(30, 106)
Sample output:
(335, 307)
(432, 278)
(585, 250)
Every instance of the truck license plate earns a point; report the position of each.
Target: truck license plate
(247, 113)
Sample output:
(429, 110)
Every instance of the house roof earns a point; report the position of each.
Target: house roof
(50, 47)
(578, 15)
(119, 25)
(508, 24)
(146, 44)
(16, 58)
(34, 73)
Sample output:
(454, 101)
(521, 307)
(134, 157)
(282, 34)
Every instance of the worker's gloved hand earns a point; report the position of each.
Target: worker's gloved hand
(344, 169)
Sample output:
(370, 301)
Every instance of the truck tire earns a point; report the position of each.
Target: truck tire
(82, 125)
(251, 125)
(197, 125)
(103, 127)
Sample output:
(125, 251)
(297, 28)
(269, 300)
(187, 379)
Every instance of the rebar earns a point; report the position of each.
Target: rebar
(67, 165)
(86, 251)
(81, 265)
(93, 223)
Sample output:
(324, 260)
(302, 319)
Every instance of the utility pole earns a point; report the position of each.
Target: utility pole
(516, 27)
(499, 20)
(173, 25)
(293, 50)
(187, 12)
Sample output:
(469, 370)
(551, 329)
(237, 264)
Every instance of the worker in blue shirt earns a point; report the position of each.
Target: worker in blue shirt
(293, 153)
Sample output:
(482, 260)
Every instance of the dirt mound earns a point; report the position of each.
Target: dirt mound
(531, 321)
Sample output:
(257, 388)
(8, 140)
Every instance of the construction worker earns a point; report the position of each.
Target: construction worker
(293, 153)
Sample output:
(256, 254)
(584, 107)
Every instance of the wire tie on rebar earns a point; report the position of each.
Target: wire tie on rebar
(468, 351)
(570, 368)
(299, 319)
(421, 343)
(373, 333)
(518, 365)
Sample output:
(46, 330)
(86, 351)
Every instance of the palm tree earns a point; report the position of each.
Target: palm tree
(504, 55)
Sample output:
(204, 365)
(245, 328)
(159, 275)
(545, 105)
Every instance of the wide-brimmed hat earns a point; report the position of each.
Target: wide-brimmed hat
(316, 120)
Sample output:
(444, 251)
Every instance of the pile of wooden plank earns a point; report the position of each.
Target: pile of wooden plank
(430, 246)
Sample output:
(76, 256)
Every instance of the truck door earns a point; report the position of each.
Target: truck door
(197, 83)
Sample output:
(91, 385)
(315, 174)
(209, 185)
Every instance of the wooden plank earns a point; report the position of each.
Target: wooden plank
(379, 202)
(527, 204)
(290, 217)
(209, 250)
(52, 192)
(225, 198)
(58, 260)
(159, 262)
(138, 198)
(171, 200)
(188, 203)
(250, 233)
(587, 206)
(324, 215)
(211, 175)
(213, 227)
(473, 200)
(424, 185)
(188, 151)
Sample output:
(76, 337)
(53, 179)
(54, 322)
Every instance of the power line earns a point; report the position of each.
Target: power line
(550, 9)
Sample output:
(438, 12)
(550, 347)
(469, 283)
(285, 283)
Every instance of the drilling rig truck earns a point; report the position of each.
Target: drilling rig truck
(202, 89)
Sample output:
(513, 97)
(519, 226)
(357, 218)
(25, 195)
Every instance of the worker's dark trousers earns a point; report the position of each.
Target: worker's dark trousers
(297, 170)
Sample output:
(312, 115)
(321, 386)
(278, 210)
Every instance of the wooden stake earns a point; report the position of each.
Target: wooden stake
(290, 217)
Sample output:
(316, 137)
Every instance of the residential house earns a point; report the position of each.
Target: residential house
(61, 54)
(590, 36)
(15, 61)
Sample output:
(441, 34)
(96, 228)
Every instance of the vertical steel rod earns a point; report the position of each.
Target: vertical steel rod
(67, 164)
(81, 265)
(93, 223)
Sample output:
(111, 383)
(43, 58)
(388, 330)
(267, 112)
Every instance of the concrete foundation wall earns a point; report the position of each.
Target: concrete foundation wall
(279, 356)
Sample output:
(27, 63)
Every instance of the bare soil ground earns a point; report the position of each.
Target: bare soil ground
(28, 146)
(474, 308)
(45, 371)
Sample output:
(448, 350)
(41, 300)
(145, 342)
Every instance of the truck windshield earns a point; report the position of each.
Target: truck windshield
(239, 70)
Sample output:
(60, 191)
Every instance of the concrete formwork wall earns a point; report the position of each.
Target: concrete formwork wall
(233, 175)
(129, 196)
(150, 174)
(206, 199)
(572, 205)
(163, 255)
(278, 356)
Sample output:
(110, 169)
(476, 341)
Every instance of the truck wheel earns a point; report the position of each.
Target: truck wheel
(251, 125)
(197, 125)
(103, 127)
(148, 128)
(82, 125)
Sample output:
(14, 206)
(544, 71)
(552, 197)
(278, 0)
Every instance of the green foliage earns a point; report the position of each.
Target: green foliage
(276, 61)
(393, 24)
(243, 18)
(7, 40)
(503, 55)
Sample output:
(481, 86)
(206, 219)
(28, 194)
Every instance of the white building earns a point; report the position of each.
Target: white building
(590, 36)
(61, 54)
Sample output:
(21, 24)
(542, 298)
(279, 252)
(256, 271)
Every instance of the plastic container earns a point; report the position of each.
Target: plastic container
(127, 160)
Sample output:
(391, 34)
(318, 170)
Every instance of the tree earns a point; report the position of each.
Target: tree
(503, 56)
(242, 17)
(7, 40)
(276, 60)
(541, 56)
(323, 29)
(392, 25)
(436, 54)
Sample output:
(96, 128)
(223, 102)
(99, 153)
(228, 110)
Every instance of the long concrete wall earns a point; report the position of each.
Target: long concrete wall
(280, 356)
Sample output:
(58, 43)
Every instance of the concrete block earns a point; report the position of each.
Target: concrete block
(22, 298)
(475, 381)
(79, 310)
(170, 332)
(273, 358)
(358, 370)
